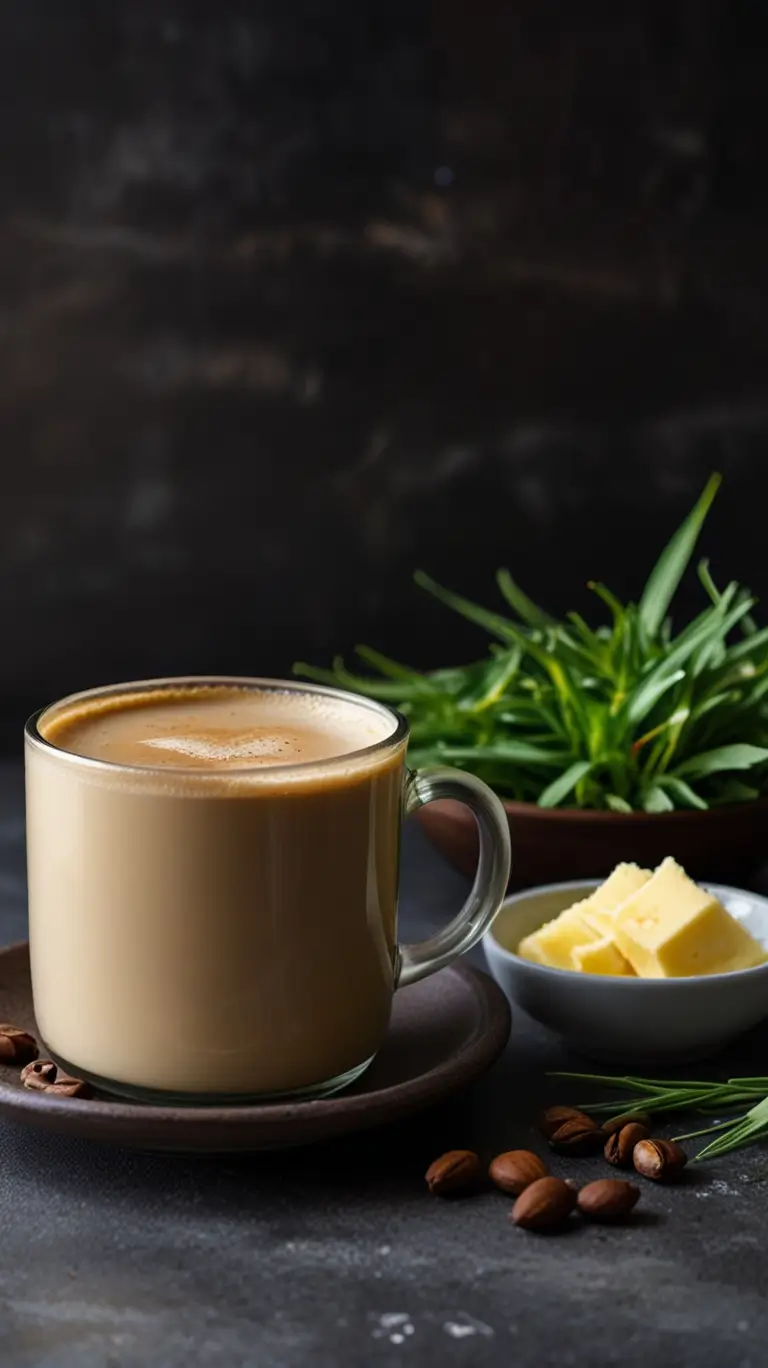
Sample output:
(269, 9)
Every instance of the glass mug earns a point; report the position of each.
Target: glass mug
(210, 935)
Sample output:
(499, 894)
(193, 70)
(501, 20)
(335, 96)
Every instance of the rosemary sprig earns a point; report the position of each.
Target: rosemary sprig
(655, 1095)
(746, 1131)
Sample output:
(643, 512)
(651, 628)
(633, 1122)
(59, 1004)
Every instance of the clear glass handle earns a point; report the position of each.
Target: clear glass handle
(424, 786)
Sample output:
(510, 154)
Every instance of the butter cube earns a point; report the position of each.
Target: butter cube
(601, 957)
(670, 928)
(625, 880)
(606, 900)
(552, 945)
(584, 925)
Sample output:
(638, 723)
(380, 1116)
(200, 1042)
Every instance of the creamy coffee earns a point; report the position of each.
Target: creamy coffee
(213, 885)
(214, 728)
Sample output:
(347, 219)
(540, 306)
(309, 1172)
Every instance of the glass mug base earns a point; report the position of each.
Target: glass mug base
(160, 1097)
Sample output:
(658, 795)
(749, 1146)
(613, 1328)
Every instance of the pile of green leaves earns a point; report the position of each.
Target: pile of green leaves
(629, 715)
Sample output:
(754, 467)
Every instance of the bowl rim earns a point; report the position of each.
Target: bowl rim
(600, 816)
(631, 984)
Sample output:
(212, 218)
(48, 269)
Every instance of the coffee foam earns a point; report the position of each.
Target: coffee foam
(258, 749)
(231, 732)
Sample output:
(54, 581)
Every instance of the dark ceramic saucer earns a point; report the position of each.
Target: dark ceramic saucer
(444, 1032)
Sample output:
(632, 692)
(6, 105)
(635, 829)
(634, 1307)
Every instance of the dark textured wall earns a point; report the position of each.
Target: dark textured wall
(296, 296)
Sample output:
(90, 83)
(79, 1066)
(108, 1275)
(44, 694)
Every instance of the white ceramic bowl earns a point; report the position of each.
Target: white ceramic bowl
(632, 1020)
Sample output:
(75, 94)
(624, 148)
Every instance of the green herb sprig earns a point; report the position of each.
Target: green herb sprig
(655, 1095)
(628, 715)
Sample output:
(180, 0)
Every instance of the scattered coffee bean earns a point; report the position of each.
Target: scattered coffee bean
(620, 1146)
(544, 1205)
(515, 1170)
(16, 1046)
(609, 1199)
(661, 1160)
(555, 1117)
(44, 1076)
(578, 1135)
(456, 1172)
(39, 1074)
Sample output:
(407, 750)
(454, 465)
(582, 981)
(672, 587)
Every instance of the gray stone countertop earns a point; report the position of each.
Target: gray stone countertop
(336, 1257)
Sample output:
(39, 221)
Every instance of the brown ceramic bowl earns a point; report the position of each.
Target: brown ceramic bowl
(727, 844)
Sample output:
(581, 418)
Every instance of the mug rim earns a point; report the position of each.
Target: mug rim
(395, 738)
